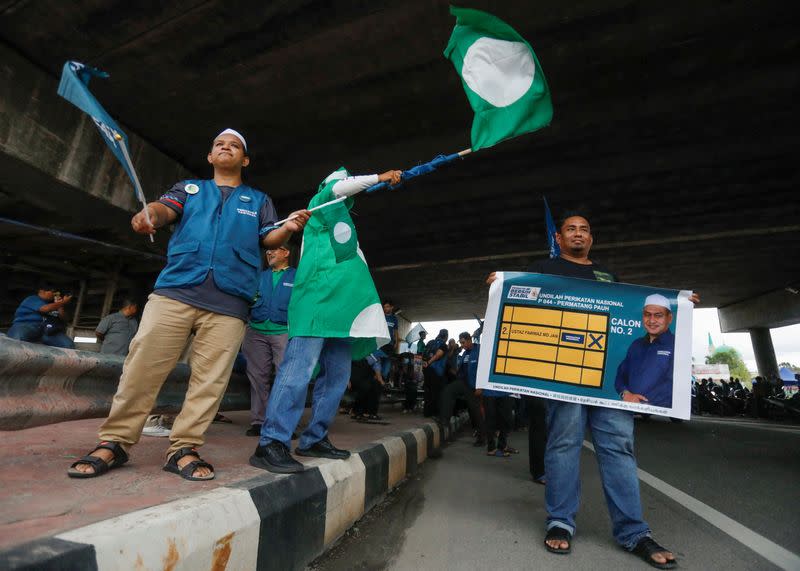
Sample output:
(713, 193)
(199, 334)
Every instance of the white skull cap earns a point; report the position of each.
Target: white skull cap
(658, 300)
(236, 134)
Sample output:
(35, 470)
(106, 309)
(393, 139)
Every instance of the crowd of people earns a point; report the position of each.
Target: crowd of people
(730, 397)
(312, 323)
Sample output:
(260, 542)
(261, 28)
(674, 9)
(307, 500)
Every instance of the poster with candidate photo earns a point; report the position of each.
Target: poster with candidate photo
(588, 342)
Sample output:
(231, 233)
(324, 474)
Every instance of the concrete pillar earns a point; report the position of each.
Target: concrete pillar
(765, 353)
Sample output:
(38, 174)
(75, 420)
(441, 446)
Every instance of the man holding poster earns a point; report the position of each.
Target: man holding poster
(550, 335)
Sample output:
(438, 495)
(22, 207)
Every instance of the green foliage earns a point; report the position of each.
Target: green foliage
(789, 366)
(730, 356)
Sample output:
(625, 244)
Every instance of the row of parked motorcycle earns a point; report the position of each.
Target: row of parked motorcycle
(767, 399)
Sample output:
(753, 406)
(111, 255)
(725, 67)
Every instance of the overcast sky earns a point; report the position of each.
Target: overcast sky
(704, 321)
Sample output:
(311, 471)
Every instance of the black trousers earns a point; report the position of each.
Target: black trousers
(499, 420)
(411, 395)
(367, 392)
(460, 389)
(434, 383)
(537, 434)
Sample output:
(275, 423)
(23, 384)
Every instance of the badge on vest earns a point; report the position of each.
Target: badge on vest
(245, 198)
(191, 188)
(665, 353)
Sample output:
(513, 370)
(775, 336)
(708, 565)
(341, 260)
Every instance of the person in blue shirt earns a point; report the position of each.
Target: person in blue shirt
(645, 375)
(434, 362)
(29, 318)
(497, 405)
(386, 351)
(464, 387)
(206, 288)
(268, 332)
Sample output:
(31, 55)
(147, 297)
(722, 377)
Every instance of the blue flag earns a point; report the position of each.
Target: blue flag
(555, 251)
(74, 87)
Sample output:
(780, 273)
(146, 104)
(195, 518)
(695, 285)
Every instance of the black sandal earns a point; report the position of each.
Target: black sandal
(187, 472)
(559, 534)
(100, 466)
(647, 547)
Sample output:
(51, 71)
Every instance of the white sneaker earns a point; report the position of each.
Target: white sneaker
(155, 427)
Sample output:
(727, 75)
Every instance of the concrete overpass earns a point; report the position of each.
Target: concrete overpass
(674, 129)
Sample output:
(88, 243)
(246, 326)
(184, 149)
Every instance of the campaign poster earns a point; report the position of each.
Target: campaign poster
(589, 342)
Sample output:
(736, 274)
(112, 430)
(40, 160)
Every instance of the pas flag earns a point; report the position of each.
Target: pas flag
(74, 87)
(503, 80)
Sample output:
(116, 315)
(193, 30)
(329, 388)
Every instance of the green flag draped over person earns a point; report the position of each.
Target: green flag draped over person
(501, 75)
(334, 295)
(335, 316)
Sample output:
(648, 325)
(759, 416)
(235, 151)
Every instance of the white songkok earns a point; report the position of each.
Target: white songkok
(236, 134)
(658, 300)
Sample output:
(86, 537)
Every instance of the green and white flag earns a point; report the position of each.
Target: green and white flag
(502, 78)
(333, 294)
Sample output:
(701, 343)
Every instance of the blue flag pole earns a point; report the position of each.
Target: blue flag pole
(413, 172)
(555, 251)
(422, 169)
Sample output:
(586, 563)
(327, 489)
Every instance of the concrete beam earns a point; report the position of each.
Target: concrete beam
(775, 309)
(43, 130)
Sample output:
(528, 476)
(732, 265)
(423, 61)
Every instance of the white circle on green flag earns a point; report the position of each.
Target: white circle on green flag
(499, 71)
(342, 232)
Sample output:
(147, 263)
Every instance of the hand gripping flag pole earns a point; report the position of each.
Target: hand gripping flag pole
(413, 172)
(139, 191)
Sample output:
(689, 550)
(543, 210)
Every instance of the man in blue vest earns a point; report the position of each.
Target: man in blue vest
(268, 333)
(211, 277)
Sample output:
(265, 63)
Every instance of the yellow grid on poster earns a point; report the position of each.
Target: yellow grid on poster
(560, 345)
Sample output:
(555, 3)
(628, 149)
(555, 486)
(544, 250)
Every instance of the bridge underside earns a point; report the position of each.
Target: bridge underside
(674, 130)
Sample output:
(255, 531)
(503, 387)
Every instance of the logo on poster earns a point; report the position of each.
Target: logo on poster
(521, 292)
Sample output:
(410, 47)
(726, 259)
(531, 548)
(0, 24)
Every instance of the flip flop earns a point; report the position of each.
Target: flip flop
(560, 534)
(647, 547)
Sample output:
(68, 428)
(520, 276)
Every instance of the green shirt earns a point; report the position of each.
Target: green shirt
(267, 327)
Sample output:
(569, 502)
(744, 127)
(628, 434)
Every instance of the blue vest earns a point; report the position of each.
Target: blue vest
(272, 302)
(215, 236)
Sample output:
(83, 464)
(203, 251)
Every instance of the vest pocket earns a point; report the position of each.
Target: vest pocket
(247, 257)
(185, 248)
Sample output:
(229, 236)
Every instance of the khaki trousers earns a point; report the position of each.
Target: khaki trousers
(165, 327)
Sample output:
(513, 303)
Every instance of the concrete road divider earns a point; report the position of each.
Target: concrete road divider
(44, 385)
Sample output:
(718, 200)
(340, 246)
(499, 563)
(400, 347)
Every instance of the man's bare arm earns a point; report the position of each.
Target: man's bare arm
(160, 216)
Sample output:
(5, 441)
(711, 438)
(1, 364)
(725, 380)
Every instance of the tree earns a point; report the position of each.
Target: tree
(789, 366)
(730, 356)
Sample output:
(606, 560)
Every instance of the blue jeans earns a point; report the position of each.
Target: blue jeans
(386, 363)
(288, 398)
(35, 333)
(612, 434)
